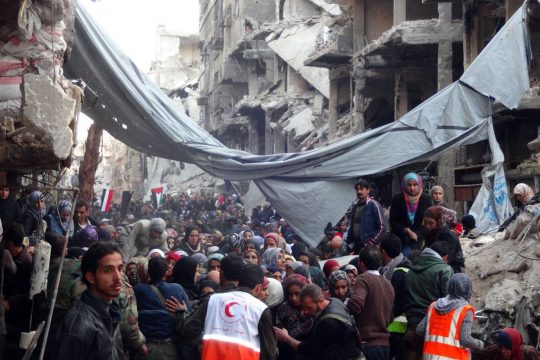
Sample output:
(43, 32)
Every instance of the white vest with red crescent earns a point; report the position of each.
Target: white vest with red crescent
(231, 327)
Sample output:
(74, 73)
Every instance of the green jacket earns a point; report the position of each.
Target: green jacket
(426, 281)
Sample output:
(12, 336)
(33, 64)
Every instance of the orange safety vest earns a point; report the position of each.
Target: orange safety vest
(441, 341)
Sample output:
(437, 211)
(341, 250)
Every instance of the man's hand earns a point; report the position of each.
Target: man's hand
(173, 305)
(281, 334)
(143, 350)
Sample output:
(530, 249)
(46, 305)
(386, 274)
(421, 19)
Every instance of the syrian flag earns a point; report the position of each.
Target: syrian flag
(106, 200)
(157, 193)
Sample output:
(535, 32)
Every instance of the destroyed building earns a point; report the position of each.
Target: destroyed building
(39, 106)
(294, 75)
(176, 69)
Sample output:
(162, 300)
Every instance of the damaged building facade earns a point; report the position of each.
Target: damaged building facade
(282, 76)
(39, 106)
(176, 69)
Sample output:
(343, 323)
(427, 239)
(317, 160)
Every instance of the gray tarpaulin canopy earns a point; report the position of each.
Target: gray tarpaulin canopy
(313, 187)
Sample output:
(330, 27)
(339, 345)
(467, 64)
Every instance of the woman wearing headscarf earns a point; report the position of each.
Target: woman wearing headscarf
(407, 212)
(247, 235)
(186, 273)
(274, 240)
(273, 260)
(33, 212)
(523, 193)
(60, 219)
(252, 256)
(452, 316)
(191, 243)
(508, 346)
(275, 296)
(437, 196)
(435, 229)
(339, 286)
(289, 314)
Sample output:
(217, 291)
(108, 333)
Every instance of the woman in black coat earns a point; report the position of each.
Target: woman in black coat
(407, 212)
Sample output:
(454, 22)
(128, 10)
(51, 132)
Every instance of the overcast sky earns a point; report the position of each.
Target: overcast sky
(132, 24)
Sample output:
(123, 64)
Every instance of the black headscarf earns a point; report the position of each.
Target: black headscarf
(184, 274)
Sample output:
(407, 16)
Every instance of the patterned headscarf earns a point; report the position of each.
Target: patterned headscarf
(294, 279)
(436, 213)
(524, 189)
(411, 200)
(89, 233)
(34, 197)
(337, 275)
(64, 204)
(237, 241)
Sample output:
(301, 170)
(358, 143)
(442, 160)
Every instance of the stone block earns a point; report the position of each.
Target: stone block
(48, 111)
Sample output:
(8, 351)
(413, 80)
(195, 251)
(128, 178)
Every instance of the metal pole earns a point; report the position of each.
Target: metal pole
(57, 282)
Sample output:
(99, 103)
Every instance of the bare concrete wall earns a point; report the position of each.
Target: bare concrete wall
(418, 11)
(262, 11)
(379, 17)
(299, 9)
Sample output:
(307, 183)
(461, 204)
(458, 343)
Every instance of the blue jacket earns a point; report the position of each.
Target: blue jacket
(371, 224)
(155, 322)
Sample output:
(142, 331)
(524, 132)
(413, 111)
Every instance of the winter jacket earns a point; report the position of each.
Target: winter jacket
(371, 225)
(10, 212)
(399, 219)
(332, 336)
(426, 281)
(89, 332)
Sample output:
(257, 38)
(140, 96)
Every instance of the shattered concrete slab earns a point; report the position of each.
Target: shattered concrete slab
(300, 124)
(48, 111)
(294, 45)
(332, 9)
(419, 32)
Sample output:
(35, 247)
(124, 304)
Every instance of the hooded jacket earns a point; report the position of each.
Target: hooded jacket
(426, 281)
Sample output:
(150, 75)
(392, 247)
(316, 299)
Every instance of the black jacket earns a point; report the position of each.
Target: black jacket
(10, 212)
(333, 335)
(399, 219)
(88, 332)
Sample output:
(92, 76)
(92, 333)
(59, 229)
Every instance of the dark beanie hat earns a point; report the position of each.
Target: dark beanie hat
(329, 229)
(468, 222)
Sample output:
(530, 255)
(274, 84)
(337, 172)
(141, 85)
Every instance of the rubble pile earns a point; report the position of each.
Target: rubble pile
(38, 106)
(505, 269)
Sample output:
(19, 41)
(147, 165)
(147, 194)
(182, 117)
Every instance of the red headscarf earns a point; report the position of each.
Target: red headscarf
(510, 338)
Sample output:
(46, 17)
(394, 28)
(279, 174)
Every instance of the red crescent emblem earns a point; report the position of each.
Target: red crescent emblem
(228, 309)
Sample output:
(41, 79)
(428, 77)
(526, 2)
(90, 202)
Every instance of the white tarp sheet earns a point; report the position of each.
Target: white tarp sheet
(309, 188)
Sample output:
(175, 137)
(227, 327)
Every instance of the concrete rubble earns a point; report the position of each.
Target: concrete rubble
(39, 107)
(505, 268)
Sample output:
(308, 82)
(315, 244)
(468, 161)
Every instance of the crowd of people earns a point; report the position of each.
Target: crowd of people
(197, 278)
